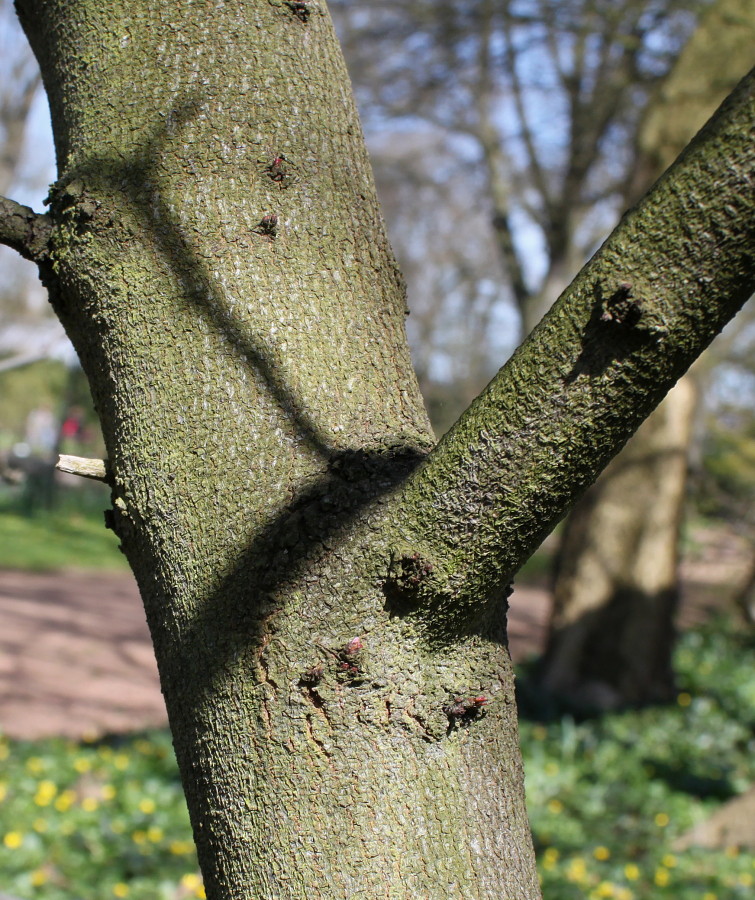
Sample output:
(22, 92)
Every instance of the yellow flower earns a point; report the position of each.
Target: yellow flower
(684, 699)
(4, 750)
(34, 765)
(3, 791)
(661, 820)
(669, 860)
(147, 806)
(120, 889)
(81, 764)
(65, 801)
(155, 834)
(555, 806)
(745, 879)
(601, 853)
(577, 870)
(108, 792)
(38, 877)
(191, 881)
(605, 889)
(181, 848)
(121, 761)
(139, 836)
(624, 894)
(90, 804)
(39, 825)
(662, 876)
(13, 840)
(46, 790)
(631, 872)
(710, 896)
(199, 892)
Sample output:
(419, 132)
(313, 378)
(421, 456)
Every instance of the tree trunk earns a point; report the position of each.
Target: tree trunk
(326, 596)
(257, 399)
(616, 588)
(611, 634)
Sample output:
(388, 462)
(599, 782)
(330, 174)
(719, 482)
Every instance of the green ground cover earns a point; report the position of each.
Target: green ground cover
(70, 536)
(607, 797)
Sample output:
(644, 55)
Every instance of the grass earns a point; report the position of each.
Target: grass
(607, 799)
(70, 536)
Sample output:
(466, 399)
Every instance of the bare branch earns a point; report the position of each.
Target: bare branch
(675, 270)
(96, 469)
(494, 156)
(538, 175)
(24, 230)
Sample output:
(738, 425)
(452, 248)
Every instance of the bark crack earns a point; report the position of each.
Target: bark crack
(318, 742)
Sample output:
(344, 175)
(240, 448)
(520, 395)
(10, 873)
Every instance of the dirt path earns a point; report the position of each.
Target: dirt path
(76, 658)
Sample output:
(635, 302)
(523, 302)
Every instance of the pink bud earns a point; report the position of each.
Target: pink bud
(354, 646)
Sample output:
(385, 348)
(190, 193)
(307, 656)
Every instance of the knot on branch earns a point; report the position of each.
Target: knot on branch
(351, 661)
(73, 206)
(628, 308)
(412, 580)
(622, 308)
(462, 711)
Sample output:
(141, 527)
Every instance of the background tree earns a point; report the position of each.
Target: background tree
(326, 594)
(23, 306)
(536, 107)
(617, 583)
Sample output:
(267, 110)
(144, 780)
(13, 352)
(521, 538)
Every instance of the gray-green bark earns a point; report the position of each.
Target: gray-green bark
(327, 600)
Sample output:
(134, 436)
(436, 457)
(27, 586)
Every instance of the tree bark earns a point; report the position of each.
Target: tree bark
(326, 596)
(256, 396)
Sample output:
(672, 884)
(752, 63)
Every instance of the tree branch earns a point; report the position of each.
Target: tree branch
(675, 270)
(24, 230)
(517, 89)
(98, 469)
(494, 157)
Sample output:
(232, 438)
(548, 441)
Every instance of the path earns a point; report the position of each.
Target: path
(75, 654)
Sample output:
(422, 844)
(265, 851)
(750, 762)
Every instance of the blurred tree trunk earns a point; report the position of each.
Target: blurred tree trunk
(616, 587)
(539, 103)
(616, 581)
(20, 80)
